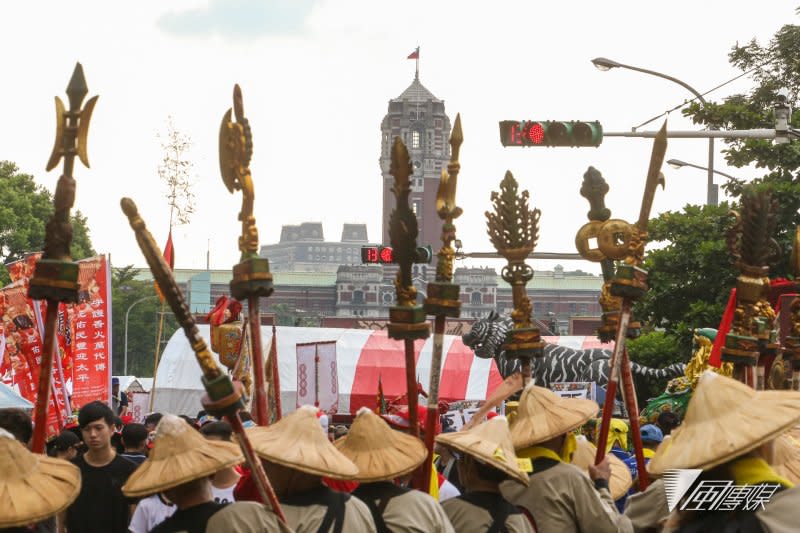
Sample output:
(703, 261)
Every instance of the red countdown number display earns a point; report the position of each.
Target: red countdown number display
(377, 254)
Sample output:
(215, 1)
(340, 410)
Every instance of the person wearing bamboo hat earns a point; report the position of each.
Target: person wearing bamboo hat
(32, 487)
(559, 498)
(487, 459)
(728, 433)
(297, 455)
(383, 455)
(180, 465)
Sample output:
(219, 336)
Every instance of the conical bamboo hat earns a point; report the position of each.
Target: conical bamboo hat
(543, 415)
(621, 480)
(725, 419)
(180, 454)
(787, 458)
(379, 452)
(297, 441)
(490, 443)
(32, 486)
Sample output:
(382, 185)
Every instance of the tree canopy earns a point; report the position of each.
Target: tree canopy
(25, 208)
(691, 270)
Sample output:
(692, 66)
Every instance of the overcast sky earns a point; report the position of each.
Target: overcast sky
(317, 76)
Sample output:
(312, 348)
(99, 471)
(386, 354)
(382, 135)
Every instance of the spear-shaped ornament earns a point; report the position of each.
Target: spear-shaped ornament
(56, 276)
(443, 295)
(407, 321)
(514, 229)
(618, 240)
(251, 276)
(224, 397)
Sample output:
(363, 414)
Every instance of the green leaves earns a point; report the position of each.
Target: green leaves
(25, 208)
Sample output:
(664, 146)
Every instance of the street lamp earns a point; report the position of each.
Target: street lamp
(677, 163)
(125, 360)
(605, 64)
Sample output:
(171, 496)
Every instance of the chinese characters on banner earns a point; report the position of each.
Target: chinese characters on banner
(317, 376)
(82, 370)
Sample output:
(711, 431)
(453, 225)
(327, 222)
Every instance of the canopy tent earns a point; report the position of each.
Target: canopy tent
(363, 356)
(134, 384)
(9, 399)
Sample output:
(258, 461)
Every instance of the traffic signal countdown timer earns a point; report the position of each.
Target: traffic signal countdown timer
(550, 133)
(385, 254)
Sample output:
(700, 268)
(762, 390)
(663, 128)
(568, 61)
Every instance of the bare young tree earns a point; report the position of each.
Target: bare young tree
(175, 171)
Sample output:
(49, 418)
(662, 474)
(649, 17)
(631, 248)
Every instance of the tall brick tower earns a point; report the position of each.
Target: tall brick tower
(418, 118)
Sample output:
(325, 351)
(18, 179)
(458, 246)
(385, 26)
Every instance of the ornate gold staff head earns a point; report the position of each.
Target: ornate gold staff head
(251, 277)
(406, 319)
(514, 229)
(443, 294)
(750, 242)
(56, 276)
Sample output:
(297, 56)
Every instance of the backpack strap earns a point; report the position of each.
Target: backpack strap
(332, 500)
(497, 506)
(377, 496)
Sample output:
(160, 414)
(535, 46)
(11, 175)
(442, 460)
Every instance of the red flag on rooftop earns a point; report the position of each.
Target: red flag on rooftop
(414, 54)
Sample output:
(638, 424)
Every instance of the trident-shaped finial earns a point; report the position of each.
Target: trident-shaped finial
(72, 127)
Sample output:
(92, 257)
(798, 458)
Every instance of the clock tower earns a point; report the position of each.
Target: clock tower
(418, 118)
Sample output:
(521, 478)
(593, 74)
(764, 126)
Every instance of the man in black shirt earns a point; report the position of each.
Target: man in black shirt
(100, 507)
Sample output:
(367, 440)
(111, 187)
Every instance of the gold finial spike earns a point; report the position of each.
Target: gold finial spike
(456, 138)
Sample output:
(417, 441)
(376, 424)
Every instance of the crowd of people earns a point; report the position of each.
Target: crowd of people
(537, 473)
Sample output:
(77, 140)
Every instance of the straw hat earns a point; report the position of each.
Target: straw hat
(621, 480)
(379, 452)
(787, 458)
(180, 454)
(490, 443)
(543, 415)
(298, 442)
(724, 420)
(33, 487)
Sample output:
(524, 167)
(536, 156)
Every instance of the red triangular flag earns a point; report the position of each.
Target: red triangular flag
(169, 252)
(715, 358)
(414, 54)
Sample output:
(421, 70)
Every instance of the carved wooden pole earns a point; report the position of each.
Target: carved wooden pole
(56, 275)
(251, 276)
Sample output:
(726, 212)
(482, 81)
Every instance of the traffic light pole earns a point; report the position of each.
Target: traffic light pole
(708, 134)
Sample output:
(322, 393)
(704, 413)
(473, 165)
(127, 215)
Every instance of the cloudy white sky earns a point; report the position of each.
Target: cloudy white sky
(317, 76)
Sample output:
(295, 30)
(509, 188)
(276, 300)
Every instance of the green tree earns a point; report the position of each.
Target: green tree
(691, 271)
(25, 208)
(654, 349)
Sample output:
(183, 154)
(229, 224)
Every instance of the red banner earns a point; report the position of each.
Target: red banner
(82, 370)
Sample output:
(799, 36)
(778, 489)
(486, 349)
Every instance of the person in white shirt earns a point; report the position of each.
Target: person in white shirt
(224, 481)
(150, 512)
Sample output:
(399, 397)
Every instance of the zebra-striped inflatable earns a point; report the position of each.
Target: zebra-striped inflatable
(559, 363)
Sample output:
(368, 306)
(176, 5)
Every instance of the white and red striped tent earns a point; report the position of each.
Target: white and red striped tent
(362, 357)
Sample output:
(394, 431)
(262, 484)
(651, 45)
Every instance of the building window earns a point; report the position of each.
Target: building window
(416, 207)
(573, 308)
(537, 308)
(437, 123)
(358, 297)
(584, 309)
(548, 307)
(475, 298)
(415, 139)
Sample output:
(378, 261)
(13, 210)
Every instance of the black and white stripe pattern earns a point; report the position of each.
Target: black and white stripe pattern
(559, 364)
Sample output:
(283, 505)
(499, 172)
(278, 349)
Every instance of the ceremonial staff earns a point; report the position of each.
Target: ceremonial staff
(442, 300)
(223, 396)
(618, 240)
(407, 320)
(56, 276)
(514, 229)
(751, 244)
(251, 276)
